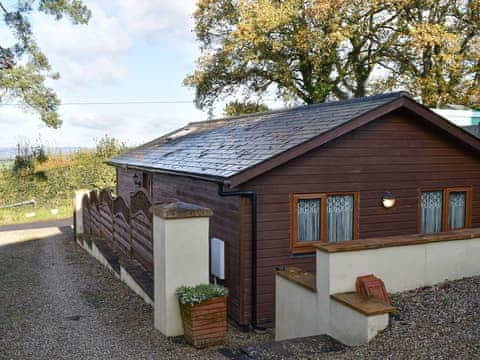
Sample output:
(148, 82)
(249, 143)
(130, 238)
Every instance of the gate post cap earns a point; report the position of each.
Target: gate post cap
(180, 210)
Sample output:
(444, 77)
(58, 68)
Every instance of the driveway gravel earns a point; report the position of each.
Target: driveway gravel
(439, 322)
(56, 302)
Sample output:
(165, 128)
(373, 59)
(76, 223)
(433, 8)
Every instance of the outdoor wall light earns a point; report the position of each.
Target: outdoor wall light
(136, 181)
(388, 200)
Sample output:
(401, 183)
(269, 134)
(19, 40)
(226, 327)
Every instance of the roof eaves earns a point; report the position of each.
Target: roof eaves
(210, 178)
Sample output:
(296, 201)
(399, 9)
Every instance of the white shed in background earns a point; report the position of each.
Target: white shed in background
(460, 117)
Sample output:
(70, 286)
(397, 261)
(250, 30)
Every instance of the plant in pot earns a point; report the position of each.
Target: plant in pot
(204, 314)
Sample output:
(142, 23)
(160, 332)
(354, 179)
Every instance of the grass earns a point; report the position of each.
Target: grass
(6, 164)
(19, 215)
(52, 183)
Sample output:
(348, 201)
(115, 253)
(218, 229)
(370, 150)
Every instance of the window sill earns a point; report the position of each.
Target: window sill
(305, 248)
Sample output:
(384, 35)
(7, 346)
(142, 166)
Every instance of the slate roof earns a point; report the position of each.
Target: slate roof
(473, 129)
(226, 147)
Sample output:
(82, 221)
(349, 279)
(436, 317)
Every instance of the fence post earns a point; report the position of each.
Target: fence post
(78, 211)
(181, 257)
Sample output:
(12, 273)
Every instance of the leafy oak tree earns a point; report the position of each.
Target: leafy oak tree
(24, 68)
(437, 54)
(368, 28)
(235, 108)
(254, 46)
(313, 50)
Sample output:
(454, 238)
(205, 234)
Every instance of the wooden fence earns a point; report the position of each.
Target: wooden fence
(127, 229)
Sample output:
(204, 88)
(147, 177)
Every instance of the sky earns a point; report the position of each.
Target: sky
(132, 50)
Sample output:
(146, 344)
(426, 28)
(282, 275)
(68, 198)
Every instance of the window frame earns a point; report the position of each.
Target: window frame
(468, 206)
(302, 247)
(147, 182)
(445, 206)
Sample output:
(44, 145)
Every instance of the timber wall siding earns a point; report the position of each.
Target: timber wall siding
(224, 224)
(393, 154)
(399, 154)
(125, 185)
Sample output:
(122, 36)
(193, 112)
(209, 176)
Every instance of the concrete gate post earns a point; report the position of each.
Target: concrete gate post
(181, 257)
(78, 211)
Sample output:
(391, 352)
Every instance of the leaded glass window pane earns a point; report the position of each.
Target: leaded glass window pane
(339, 218)
(432, 202)
(456, 210)
(308, 220)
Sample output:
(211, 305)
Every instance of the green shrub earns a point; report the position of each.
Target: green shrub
(40, 155)
(52, 183)
(108, 147)
(27, 158)
(23, 165)
(192, 295)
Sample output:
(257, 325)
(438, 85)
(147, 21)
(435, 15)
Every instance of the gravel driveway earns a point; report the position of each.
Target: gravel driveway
(440, 322)
(56, 302)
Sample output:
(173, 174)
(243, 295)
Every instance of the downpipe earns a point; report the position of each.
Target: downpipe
(252, 196)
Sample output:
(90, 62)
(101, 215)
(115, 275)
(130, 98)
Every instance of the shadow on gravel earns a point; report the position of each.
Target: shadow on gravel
(304, 348)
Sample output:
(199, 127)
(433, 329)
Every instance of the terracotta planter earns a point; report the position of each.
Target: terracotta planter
(205, 324)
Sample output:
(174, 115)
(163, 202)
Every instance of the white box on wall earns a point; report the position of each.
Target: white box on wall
(218, 258)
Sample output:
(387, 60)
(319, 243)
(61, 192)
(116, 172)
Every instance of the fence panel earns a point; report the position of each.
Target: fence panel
(121, 226)
(94, 214)
(128, 230)
(142, 229)
(142, 244)
(105, 208)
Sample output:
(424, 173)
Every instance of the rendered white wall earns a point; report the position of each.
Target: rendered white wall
(180, 258)
(404, 267)
(77, 209)
(352, 327)
(300, 312)
(295, 310)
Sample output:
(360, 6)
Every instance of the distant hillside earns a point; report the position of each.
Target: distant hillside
(8, 153)
(53, 183)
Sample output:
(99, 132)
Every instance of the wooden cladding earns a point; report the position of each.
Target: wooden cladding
(400, 153)
(227, 223)
(128, 229)
(304, 245)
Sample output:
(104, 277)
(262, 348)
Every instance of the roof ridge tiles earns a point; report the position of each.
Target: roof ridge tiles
(393, 95)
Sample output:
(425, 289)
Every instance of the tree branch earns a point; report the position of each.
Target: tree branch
(3, 8)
